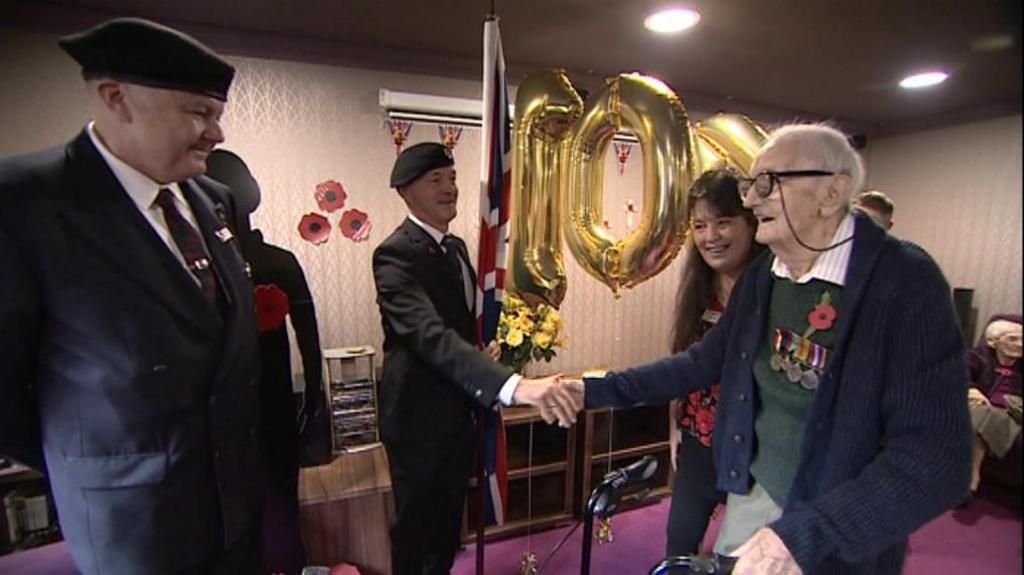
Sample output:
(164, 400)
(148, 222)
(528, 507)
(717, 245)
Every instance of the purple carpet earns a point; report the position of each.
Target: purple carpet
(982, 538)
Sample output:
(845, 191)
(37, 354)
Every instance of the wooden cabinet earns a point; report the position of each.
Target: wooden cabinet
(345, 509)
(627, 435)
(540, 488)
(351, 378)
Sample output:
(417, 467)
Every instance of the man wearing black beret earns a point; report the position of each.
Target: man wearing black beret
(433, 374)
(128, 363)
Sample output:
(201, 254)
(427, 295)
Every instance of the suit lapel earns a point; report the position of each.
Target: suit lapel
(103, 214)
(464, 256)
(432, 253)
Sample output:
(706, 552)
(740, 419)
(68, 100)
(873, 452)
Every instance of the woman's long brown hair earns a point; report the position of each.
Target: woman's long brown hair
(718, 188)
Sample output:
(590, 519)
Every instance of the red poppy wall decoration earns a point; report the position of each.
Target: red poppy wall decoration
(355, 225)
(330, 196)
(271, 306)
(314, 228)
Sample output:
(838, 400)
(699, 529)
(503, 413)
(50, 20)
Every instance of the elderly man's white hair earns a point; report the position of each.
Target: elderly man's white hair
(826, 145)
(997, 329)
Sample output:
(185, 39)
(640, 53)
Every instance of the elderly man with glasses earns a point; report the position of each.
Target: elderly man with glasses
(841, 424)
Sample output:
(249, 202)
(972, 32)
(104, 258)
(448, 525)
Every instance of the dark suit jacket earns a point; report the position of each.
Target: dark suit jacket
(433, 374)
(140, 394)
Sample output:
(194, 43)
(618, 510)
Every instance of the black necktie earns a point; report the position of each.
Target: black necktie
(191, 246)
(450, 244)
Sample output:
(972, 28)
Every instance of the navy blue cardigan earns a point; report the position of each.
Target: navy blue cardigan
(887, 445)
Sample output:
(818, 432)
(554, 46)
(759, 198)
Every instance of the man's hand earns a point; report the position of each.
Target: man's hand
(765, 554)
(557, 400)
(493, 350)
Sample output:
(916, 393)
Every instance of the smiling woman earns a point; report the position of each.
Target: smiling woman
(719, 247)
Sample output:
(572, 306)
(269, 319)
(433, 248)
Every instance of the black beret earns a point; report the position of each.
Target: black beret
(143, 52)
(417, 160)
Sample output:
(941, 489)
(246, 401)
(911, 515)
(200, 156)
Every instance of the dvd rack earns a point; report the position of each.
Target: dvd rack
(352, 394)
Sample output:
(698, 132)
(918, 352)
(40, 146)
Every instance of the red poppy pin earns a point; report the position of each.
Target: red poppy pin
(823, 315)
(314, 228)
(355, 225)
(330, 196)
(271, 306)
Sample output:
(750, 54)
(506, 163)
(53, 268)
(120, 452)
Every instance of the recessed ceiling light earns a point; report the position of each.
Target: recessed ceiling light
(992, 43)
(923, 80)
(669, 21)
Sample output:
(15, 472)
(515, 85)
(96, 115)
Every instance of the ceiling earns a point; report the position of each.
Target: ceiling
(773, 59)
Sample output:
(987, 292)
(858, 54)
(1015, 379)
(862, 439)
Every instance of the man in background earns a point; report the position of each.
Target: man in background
(128, 363)
(877, 205)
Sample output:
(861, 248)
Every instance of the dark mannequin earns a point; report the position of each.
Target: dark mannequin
(294, 431)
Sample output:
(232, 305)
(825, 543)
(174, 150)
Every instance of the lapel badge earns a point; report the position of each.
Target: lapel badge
(224, 235)
(248, 270)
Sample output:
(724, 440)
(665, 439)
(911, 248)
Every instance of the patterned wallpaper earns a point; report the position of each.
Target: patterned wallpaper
(297, 125)
(958, 190)
(958, 195)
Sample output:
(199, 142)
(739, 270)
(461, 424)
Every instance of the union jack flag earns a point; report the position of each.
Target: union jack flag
(495, 182)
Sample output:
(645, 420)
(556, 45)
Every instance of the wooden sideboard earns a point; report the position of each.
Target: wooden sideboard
(345, 509)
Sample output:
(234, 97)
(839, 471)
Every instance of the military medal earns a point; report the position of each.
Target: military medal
(776, 362)
(793, 372)
(809, 380)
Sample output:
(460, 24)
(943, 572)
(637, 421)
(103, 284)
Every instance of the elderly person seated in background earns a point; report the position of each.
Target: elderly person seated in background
(841, 424)
(995, 394)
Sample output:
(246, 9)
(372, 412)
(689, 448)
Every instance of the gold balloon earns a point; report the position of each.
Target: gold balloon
(558, 155)
(547, 106)
(728, 140)
(656, 116)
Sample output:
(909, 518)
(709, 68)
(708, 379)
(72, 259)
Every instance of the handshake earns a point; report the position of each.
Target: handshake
(558, 399)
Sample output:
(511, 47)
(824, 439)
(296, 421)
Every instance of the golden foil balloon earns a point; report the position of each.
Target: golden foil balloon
(558, 171)
(655, 115)
(728, 140)
(547, 106)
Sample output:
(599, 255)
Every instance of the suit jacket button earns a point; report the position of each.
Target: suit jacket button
(742, 397)
(213, 400)
(478, 393)
(733, 474)
(743, 355)
(737, 438)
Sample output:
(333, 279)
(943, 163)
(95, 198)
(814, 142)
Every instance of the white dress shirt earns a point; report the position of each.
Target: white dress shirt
(143, 190)
(829, 266)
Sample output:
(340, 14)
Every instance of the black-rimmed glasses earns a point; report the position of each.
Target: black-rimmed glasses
(764, 182)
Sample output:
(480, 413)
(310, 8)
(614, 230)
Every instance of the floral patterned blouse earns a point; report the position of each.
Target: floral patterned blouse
(696, 414)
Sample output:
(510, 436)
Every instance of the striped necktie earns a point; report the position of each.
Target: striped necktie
(191, 246)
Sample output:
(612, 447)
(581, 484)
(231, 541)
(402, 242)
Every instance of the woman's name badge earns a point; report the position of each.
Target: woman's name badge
(711, 316)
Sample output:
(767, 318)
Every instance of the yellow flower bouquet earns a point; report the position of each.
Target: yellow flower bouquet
(527, 333)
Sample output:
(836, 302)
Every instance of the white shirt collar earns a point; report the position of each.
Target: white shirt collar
(435, 233)
(140, 187)
(829, 266)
